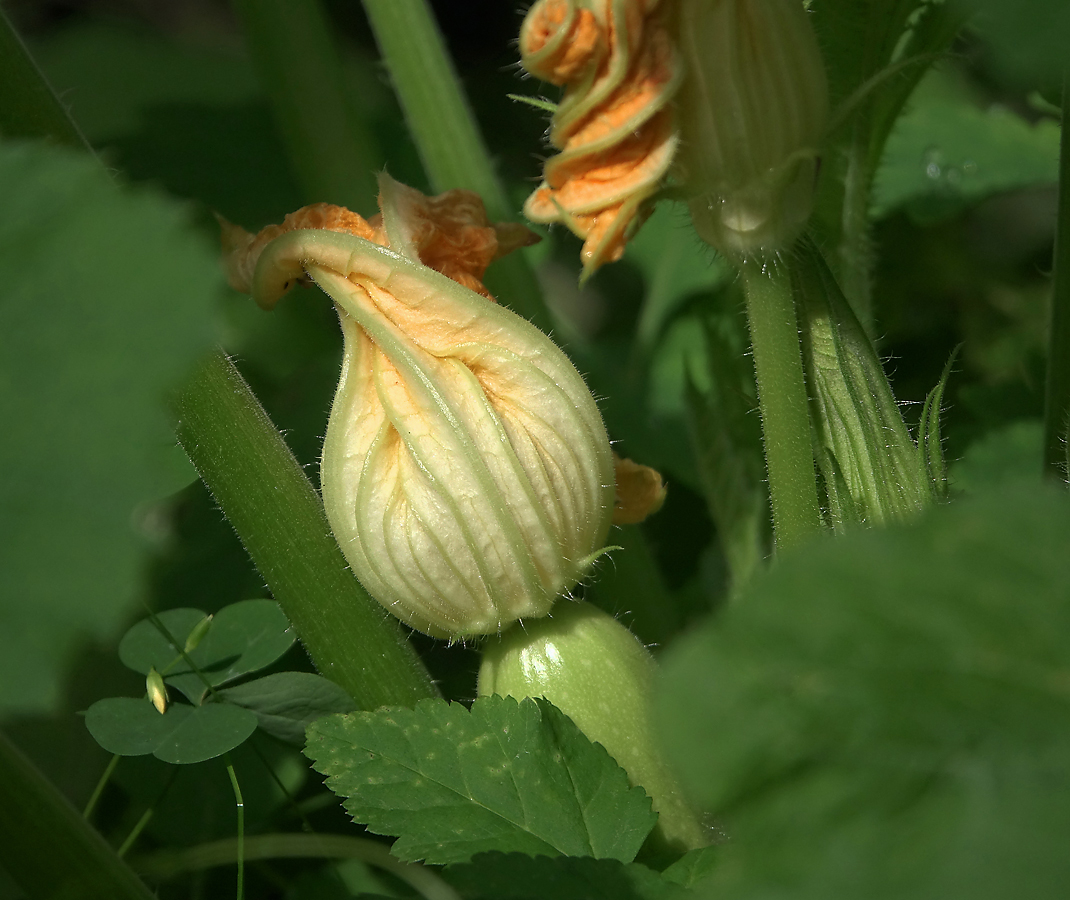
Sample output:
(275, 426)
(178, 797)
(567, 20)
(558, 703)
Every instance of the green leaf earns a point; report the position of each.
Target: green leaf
(885, 714)
(516, 876)
(242, 638)
(933, 467)
(1029, 37)
(861, 440)
(676, 265)
(144, 71)
(107, 301)
(145, 646)
(286, 703)
(694, 867)
(506, 776)
(182, 735)
(725, 431)
(946, 152)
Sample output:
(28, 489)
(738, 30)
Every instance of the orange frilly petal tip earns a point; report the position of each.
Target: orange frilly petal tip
(241, 250)
(449, 233)
(560, 41)
(614, 125)
(640, 492)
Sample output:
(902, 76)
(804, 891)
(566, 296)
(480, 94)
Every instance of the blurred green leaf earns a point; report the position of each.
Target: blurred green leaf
(1029, 37)
(286, 703)
(242, 638)
(168, 110)
(676, 265)
(946, 152)
(107, 301)
(110, 73)
(702, 371)
(506, 776)
(884, 715)
(517, 876)
(1002, 458)
(182, 735)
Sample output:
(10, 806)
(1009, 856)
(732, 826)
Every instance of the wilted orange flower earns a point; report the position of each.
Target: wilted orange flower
(614, 127)
(449, 233)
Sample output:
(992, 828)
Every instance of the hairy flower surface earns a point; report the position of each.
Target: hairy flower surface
(466, 472)
(614, 126)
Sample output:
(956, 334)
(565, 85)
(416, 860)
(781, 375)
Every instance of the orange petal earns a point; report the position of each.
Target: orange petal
(241, 250)
(614, 126)
(558, 42)
(452, 234)
(640, 492)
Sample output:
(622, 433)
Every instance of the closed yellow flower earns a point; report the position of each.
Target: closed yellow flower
(466, 471)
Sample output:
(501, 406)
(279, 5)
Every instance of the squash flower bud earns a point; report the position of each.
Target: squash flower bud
(751, 114)
(466, 471)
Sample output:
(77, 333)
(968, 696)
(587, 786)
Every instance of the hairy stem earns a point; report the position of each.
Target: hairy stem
(783, 401)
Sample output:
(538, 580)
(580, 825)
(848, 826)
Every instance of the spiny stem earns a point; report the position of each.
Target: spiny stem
(783, 400)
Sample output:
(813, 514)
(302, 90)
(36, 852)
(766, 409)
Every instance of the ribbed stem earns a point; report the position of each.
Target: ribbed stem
(783, 401)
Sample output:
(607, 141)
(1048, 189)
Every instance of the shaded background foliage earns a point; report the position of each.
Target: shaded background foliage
(964, 208)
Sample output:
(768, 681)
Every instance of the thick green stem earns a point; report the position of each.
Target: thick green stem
(334, 154)
(783, 401)
(272, 505)
(446, 134)
(1057, 389)
(436, 111)
(47, 846)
